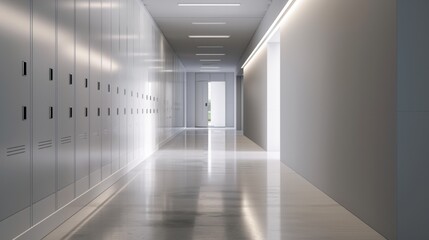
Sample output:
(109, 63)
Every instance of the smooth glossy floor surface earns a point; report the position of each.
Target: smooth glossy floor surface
(213, 184)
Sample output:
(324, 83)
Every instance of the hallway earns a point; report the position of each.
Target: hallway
(214, 184)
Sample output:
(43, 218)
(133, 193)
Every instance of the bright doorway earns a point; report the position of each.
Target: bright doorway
(210, 104)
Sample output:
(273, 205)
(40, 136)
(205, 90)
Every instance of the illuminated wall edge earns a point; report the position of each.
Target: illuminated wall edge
(271, 31)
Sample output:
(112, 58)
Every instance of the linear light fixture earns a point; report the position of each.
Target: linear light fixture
(210, 60)
(209, 23)
(213, 67)
(209, 36)
(210, 54)
(271, 31)
(202, 70)
(209, 4)
(209, 46)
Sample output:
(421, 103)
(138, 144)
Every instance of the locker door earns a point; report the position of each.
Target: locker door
(106, 156)
(14, 107)
(66, 83)
(82, 96)
(130, 82)
(123, 82)
(44, 115)
(115, 86)
(95, 93)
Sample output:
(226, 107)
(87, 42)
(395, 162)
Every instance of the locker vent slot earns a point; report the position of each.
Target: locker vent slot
(98, 111)
(65, 140)
(117, 111)
(86, 82)
(86, 112)
(108, 111)
(12, 151)
(117, 90)
(98, 86)
(44, 144)
(70, 112)
(108, 88)
(83, 136)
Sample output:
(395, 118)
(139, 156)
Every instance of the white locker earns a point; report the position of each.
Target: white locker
(82, 96)
(44, 115)
(15, 70)
(95, 92)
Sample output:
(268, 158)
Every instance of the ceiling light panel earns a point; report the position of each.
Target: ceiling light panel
(209, 46)
(208, 4)
(210, 60)
(209, 23)
(209, 36)
(210, 54)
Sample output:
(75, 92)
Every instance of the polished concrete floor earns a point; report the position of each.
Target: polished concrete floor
(214, 184)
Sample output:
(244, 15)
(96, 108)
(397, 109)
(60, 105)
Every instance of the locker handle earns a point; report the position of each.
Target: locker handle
(70, 79)
(206, 104)
(24, 68)
(51, 112)
(51, 74)
(24, 113)
(70, 112)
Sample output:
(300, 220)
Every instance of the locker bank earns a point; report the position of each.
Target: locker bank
(221, 119)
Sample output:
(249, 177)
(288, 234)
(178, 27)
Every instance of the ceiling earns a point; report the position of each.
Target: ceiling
(177, 24)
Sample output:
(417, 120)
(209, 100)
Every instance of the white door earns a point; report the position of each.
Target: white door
(217, 104)
(201, 104)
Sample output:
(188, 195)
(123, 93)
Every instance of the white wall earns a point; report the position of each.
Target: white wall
(338, 103)
(255, 99)
(413, 119)
(273, 96)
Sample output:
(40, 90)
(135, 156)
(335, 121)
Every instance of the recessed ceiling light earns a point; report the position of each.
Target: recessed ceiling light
(209, 46)
(209, 67)
(209, 36)
(208, 4)
(209, 23)
(210, 60)
(210, 54)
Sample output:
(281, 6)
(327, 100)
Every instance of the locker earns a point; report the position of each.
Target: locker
(115, 85)
(44, 70)
(15, 107)
(106, 157)
(82, 96)
(66, 92)
(95, 94)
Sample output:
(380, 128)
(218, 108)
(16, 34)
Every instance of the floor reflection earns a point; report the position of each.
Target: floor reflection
(214, 184)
